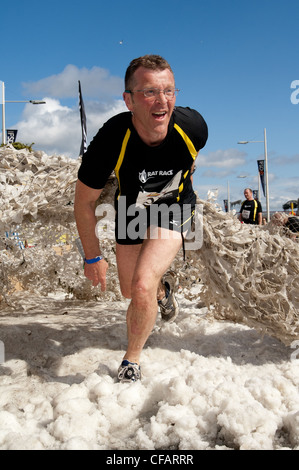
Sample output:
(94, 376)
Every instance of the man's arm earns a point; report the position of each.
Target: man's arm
(84, 208)
(192, 170)
(260, 214)
(240, 215)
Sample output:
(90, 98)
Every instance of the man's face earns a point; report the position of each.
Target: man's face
(151, 116)
(247, 194)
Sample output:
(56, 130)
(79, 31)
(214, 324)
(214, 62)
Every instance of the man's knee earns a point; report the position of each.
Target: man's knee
(140, 286)
(127, 293)
(143, 289)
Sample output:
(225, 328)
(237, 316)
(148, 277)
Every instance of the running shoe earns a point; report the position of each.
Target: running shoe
(129, 371)
(169, 306)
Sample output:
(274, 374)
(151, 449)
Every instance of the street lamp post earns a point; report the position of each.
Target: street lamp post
(228, 198)
(3, 110)
(266, 169)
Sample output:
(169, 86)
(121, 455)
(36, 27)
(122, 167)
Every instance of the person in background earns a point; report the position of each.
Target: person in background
(251, 209)
(290, 223)
(152, 149)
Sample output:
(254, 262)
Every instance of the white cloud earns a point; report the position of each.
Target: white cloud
(230, 158)
(56, 129)
(285, 160)
(95, 82)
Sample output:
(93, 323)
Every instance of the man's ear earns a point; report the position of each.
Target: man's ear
(128, 100)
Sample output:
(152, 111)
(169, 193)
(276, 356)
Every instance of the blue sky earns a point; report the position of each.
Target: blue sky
(234, 61)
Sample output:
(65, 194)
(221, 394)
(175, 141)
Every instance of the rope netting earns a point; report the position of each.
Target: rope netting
(248, 274)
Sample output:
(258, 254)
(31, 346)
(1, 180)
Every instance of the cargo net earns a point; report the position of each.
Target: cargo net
(247, 274)
(38, 251)
(250, 274)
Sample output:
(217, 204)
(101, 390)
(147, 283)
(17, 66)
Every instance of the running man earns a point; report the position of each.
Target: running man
(152, 150)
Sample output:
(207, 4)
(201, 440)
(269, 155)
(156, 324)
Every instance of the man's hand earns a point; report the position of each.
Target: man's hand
(96, 273)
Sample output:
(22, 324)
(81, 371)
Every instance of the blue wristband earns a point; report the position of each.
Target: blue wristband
(93, 260)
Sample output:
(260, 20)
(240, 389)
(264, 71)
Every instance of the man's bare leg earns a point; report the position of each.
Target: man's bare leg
(127, 256)
(154, 259)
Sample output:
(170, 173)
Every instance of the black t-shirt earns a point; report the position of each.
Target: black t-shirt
(146, 174)
(250, 210)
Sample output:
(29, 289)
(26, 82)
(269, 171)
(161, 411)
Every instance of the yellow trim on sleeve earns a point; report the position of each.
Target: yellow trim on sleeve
(255, 209)
(121, 158)
(188, 142)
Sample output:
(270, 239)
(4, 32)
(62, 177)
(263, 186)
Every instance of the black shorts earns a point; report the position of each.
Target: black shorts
(131, 228)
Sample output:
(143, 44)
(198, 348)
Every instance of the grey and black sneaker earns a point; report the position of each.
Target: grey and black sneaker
(129, 371)
(169, 306)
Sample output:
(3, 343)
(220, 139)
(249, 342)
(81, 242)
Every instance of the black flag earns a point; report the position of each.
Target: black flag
(11, 135)
(83, 147)
(260, 164)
